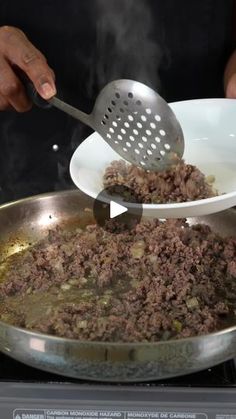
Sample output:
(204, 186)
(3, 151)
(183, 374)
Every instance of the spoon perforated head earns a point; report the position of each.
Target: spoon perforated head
(138, 124)
(133, 119)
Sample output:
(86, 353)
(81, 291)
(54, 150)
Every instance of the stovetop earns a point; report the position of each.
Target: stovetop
(223, 375)
(27, 393)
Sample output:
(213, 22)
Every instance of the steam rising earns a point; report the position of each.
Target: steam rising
(125, 48)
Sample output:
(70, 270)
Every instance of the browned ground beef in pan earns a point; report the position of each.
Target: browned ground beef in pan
(159, 280)
(180, 183)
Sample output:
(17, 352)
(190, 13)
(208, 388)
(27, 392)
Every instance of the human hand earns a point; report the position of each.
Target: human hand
(17, 53)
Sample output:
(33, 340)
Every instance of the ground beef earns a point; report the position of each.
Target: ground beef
(180, 183)
(158, 281)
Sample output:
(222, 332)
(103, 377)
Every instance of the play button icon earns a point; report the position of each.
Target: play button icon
(116, 209)
(111, 212)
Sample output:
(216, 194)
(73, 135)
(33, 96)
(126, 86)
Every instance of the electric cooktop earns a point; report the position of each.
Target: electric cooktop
(27, 393)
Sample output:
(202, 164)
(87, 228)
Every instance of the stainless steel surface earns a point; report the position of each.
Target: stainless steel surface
(136, 122)
(70, 110)
(27, 221)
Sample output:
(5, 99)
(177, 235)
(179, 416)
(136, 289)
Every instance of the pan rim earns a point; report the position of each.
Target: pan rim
(118, 344)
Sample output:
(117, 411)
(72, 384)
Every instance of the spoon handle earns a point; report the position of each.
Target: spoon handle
(70, 110)
(33, 94)
(54, 101)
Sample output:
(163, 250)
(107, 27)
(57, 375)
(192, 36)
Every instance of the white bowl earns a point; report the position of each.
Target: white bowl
(210, 144)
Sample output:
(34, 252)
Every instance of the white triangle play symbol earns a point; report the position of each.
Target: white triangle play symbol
(116, 209)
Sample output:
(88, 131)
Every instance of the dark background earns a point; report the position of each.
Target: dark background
(178, 47)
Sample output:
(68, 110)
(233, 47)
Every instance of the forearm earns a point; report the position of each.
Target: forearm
(230, 77)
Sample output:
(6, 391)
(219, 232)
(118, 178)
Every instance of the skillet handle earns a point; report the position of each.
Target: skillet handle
(33, 94)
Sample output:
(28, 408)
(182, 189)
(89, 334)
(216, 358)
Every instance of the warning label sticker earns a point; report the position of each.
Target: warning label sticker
(103, 414)
(29, 414)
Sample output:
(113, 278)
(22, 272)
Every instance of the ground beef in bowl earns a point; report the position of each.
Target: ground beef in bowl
(180, 183)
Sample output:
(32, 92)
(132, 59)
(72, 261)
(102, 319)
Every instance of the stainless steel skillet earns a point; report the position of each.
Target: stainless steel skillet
(27, 221)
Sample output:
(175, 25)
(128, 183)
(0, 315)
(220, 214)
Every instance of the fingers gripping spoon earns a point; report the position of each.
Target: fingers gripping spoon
(133, 119)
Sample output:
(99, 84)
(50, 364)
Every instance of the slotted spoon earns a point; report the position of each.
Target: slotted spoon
(133, 119)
